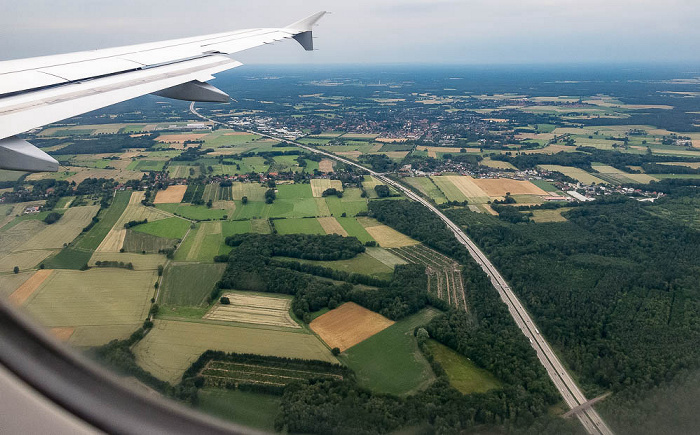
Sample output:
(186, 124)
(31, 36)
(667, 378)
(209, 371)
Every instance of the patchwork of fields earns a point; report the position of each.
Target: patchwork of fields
(171, 347)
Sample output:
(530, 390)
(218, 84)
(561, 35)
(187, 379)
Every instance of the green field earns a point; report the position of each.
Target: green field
(354, 229)
(146, 165)
(293, 208)
(170, 228)
(189, 283)
(298, 226)
(203, 243)
(249, 409)
(194, 212)
(390, 361)
(451, 192)
(141, 242)
(76, 255)
(544, 185)
(426, 186)
(349, 206)
(171, 346)
(363, 264)
(463, 374)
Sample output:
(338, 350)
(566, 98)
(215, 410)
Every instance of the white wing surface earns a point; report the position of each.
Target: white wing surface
(38, 91)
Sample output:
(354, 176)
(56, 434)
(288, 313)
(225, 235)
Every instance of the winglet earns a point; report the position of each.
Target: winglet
(303, 30)
(306, 24)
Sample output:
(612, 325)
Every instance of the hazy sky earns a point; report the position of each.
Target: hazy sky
(375, 31)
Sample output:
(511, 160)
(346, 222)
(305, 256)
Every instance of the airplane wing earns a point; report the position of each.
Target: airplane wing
(38, 91)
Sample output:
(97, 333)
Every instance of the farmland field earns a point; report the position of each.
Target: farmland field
(385, 236)
(298, 226)
(173, 194)
(138, 260)
(29, 286)
(139, 242)
(426, 186)
(354, 229)
(171, 346)
(202, 243)
(384, 256)
(332, 226)
(541, 216)
(617, 176)
(444, 276)
(346, 204)
(500, 186)
(575, 173)
(463, 374)
(92, 239)
(193, 212)
(189, 284)
(319, 185)
(254, 191)
(457, 186)
(363, 264)
(170, 228)
(101, 303)
(348, 325)
(390, 361)
(258, 309)
(250, 409)
(11, 282)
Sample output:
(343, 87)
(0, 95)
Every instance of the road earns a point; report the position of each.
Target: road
(566, 386)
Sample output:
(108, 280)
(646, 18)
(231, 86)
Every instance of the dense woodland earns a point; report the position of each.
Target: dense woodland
(615, 288)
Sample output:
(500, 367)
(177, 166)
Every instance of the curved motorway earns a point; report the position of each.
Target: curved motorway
(568, 389)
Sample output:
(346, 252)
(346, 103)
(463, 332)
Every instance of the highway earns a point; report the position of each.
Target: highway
(566, 386)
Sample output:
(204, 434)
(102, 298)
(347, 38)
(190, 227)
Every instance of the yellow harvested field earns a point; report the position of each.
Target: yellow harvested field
(376, 148)
(500, 186)
(113, 241)
(140, 261)
(385, 236)
(694, 165)
(100, 296)
(325, 165)
(322, 205)
(331, 226)
(575, 173)
(120, 175)
(467, 185)
(319, 185)
(622, 175)
(11, 282)
(64, 230)
(255, 309)
(23, 259)
(173, 194)
(541, 216)
(19, 296)
(496, 164)
(348, 325)
(97, 335)
(172, 346)
(180, 138)
(62, 333)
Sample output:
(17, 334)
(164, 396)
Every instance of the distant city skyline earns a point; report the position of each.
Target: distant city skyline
(365, 31)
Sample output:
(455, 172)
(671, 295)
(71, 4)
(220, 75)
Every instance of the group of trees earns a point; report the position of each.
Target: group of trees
(251, 266)
(614, 288)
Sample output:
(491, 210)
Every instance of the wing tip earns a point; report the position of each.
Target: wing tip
(307, 23)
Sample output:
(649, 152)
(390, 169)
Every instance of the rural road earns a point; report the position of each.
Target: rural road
(568, 389)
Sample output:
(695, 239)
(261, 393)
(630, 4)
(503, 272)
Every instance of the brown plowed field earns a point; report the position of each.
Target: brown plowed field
(25, 290)
(499, 187)
(348, 325)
